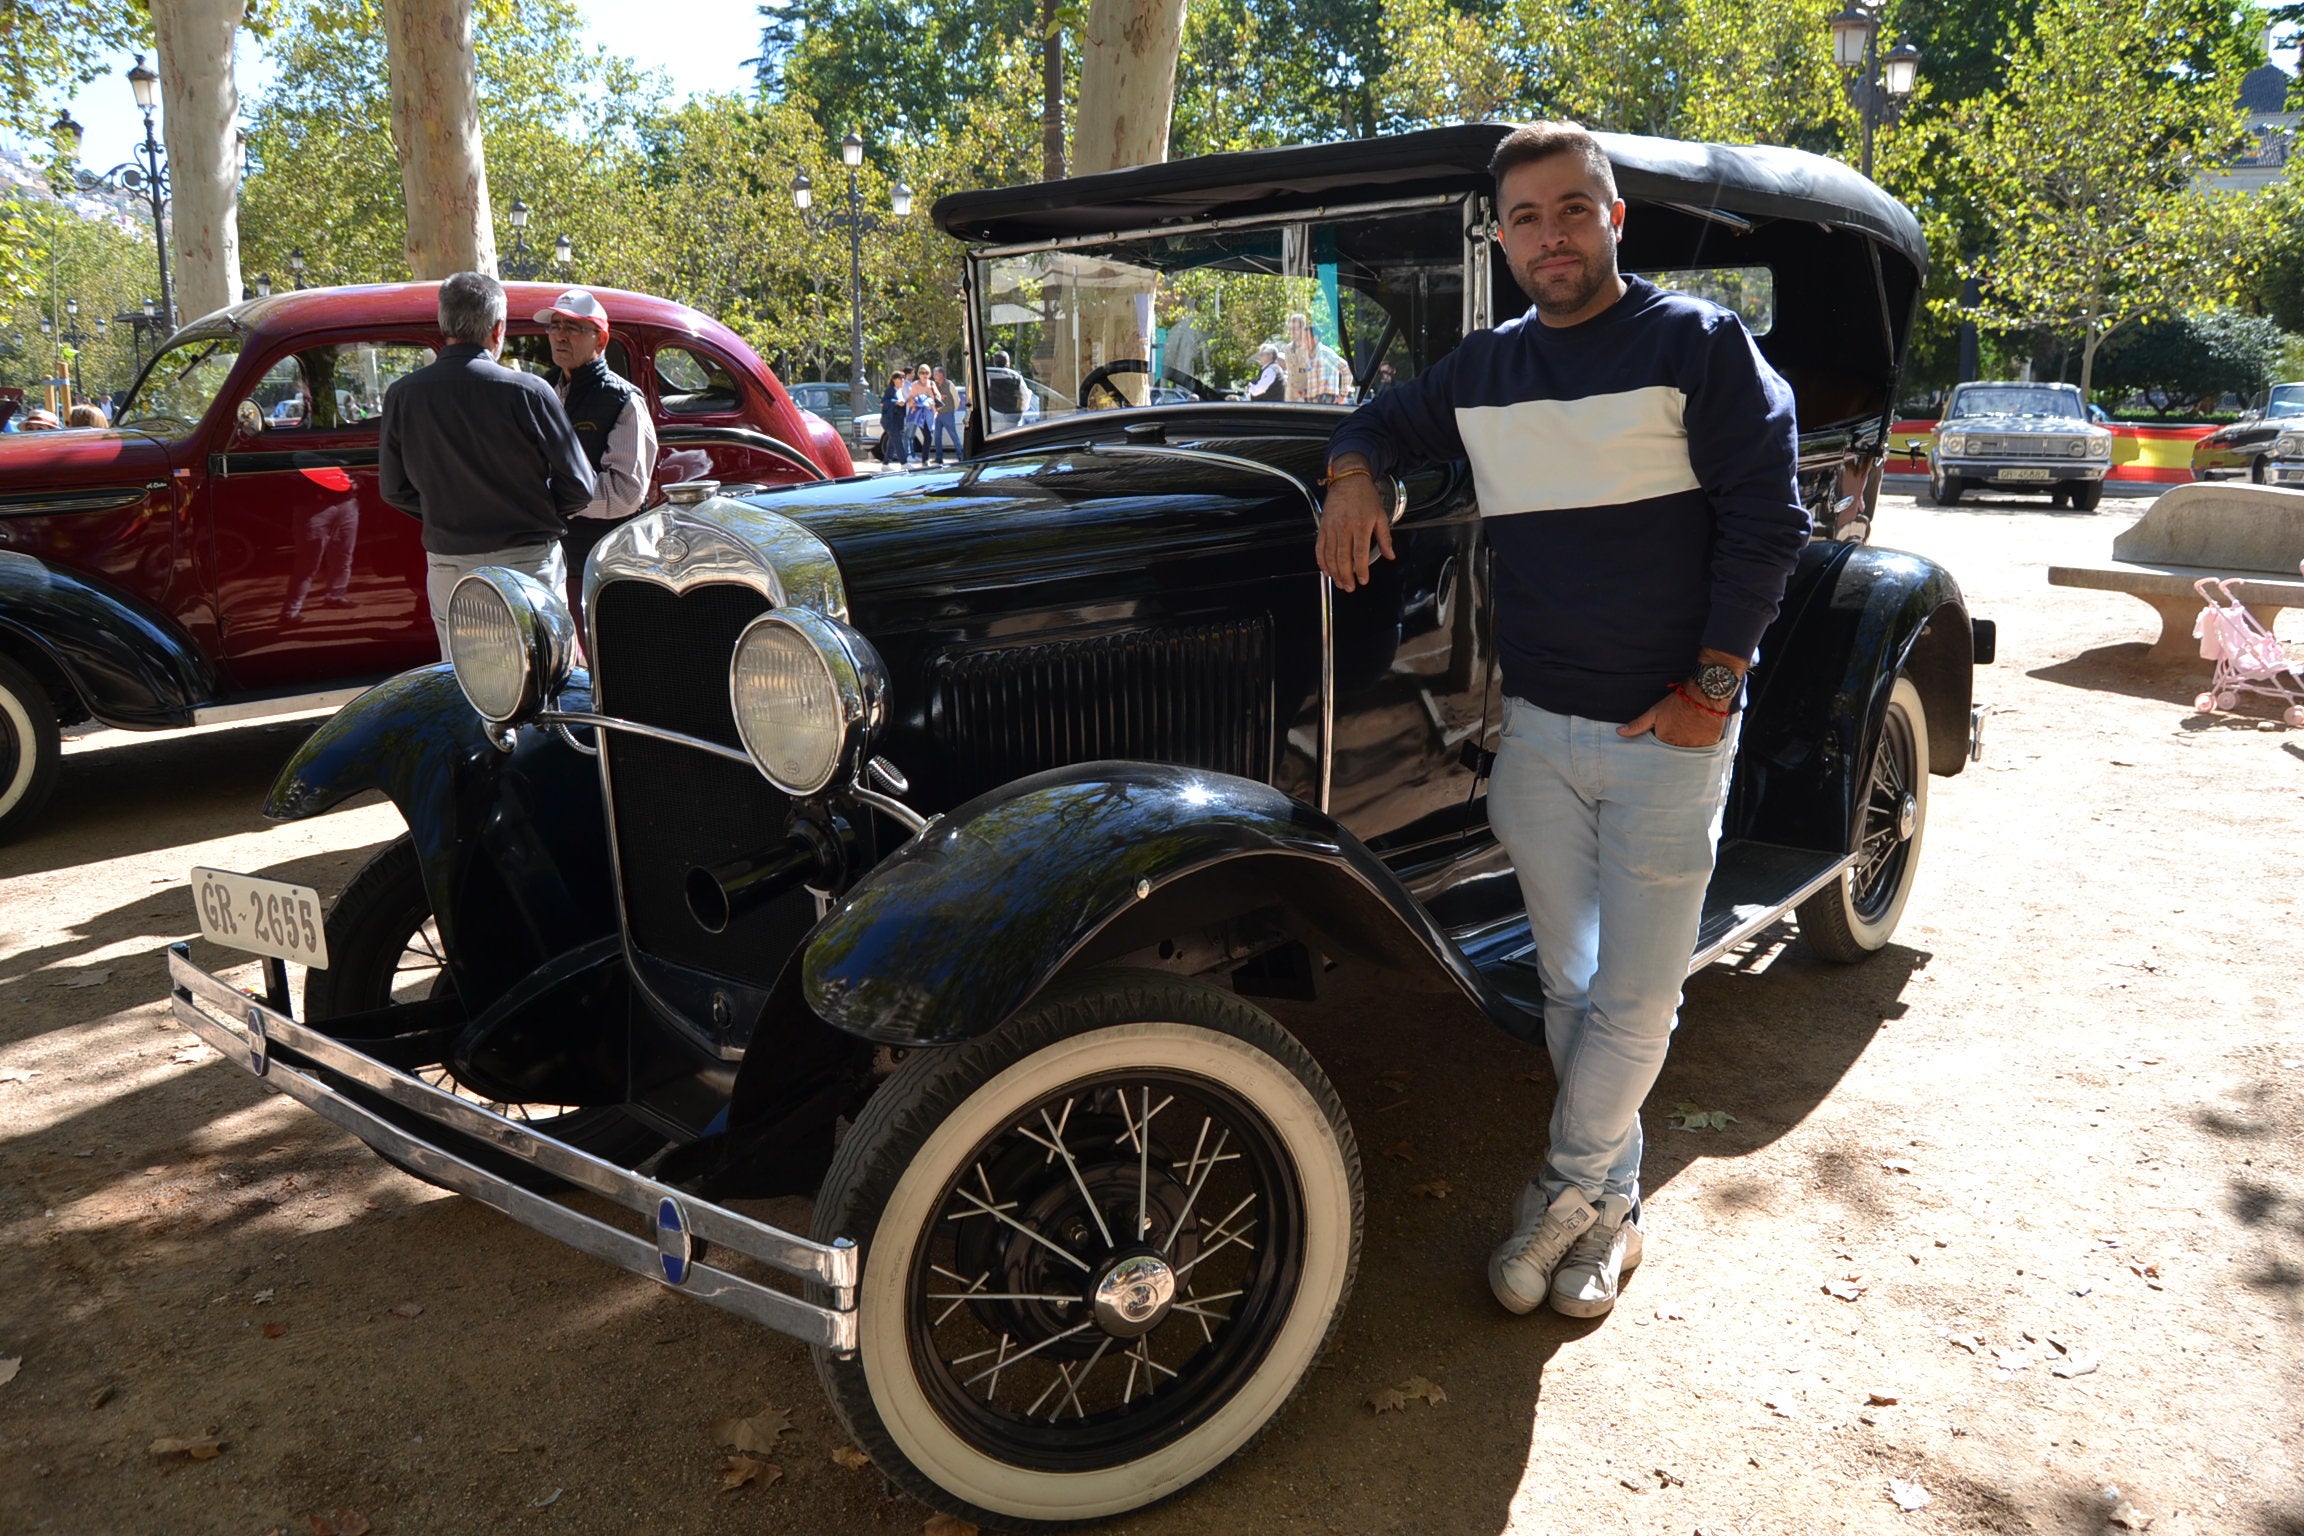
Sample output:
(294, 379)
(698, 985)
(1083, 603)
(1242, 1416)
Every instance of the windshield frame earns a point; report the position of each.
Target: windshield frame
(975, 269)
(231, 336)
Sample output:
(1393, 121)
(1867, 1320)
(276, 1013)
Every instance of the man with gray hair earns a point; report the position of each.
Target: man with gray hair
(481, 453)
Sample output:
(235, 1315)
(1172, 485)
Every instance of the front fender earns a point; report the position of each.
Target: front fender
(1832, 661)
(131, 666)
(963, 925)
(513, 845)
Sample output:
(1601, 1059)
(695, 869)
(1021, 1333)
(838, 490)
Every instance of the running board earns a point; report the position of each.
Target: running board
(1753, 884)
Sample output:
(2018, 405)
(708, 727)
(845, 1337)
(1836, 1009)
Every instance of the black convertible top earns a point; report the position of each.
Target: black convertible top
(1755, 181)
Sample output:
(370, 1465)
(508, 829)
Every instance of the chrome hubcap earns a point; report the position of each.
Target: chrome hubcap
(1133, 1295)
(1907, 817)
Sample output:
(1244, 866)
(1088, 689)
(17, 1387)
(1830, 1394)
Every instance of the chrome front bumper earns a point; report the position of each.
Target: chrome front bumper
(247, 1033)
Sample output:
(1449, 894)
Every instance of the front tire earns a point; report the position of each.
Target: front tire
(1945, 490)
(1155, 1193)
(2086, 494)
(30, 748)
(385, 948)
(1852, 918)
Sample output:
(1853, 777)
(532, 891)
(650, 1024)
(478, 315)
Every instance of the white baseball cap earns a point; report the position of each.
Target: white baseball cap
(576, 304)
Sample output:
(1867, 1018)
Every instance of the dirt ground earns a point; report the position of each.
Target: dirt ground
(2044, 1146)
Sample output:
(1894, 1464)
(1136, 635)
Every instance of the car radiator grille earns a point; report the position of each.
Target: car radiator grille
(663, 661)
(2021, 447)
(1197, 696)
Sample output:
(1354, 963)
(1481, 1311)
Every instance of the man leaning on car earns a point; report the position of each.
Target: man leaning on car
(1635, 458)
(483, 454)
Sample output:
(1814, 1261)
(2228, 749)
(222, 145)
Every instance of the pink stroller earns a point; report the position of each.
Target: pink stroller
(2248, 657)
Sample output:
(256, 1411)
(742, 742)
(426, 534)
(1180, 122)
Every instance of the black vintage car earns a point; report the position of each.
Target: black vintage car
(971, 811)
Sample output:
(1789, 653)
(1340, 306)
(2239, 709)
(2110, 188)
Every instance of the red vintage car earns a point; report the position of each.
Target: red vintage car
(223, 553)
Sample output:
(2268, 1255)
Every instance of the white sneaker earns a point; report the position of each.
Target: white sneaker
(1520, 1270)
(1609, 1248)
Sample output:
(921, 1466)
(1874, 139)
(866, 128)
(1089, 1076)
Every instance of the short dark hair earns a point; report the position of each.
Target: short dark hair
(1541, 141)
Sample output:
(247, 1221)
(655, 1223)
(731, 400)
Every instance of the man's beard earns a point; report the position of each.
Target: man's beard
(1567, 293)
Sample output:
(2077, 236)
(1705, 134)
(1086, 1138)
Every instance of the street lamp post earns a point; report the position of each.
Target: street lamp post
(296, 267)
(518, 266)
(145, 175)
(1878, 84)
(858, 223)
(73, 338)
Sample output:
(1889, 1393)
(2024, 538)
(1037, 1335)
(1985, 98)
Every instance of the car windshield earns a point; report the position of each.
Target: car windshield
(181, 384)
(2017, 400)
(2287, 400)
(1317, 312)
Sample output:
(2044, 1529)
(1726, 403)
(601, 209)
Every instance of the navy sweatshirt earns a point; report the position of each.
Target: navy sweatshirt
(1639, 477)
(482, 453)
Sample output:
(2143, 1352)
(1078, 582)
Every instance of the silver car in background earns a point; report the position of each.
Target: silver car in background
(2033, 438)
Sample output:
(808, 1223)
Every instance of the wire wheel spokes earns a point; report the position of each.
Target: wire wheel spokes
(419, 972)
(1105, 1270)
(1886, 842)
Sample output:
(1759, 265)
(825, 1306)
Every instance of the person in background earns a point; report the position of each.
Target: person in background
(85, 415)
(1272, 382)
(947, 414)
(38, 420)
(919, 414)
(481, 453)
(892, 420)
(610, 420)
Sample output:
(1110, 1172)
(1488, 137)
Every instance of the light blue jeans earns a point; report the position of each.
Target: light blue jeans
(1613, 841)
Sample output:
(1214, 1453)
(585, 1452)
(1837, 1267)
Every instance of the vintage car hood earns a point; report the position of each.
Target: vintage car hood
(911, 546)
(30, 460)
(2006, 423)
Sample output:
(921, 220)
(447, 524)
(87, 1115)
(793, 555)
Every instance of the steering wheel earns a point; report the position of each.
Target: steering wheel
(1101, 378)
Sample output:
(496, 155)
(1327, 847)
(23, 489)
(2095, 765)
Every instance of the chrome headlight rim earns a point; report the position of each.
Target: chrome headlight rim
(855, 676)
(543, 630)
(2288, 445)
(1956, 442)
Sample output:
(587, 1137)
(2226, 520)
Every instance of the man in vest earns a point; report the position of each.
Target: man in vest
(611, 421)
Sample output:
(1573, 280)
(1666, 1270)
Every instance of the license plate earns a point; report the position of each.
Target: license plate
(2021, 474)
(264, 917)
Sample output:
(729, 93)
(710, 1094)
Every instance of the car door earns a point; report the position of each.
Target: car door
(318, 581)
(714, 422)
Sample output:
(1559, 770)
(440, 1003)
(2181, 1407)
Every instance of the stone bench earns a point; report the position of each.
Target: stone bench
(2251, 535)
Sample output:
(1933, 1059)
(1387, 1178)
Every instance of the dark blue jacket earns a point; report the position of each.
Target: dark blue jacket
(482, 453)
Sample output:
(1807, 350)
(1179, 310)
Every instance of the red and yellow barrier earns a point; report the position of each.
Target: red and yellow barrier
(2140, 453)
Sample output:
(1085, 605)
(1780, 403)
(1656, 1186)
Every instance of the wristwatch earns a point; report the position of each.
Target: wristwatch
(1717, 683)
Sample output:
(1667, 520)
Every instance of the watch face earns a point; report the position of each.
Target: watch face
(1716, 682)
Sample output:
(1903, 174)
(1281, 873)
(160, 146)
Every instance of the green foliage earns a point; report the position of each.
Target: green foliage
(106, 264)
(2188, 360)
(2274, 280)
(2089, 157)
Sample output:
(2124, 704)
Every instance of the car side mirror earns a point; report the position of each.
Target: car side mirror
(248, 417)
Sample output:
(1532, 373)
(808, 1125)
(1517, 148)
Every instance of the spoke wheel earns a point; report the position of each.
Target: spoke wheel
(385, 947)
(1102, 1248)
(1852, 918)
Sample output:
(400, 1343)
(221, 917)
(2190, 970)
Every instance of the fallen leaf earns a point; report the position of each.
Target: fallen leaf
(19, 1074)
(941, 1524)
(757, 1433)
(2128, 1517)
(1670, 1480)
(95, 978)
(1883, 1399)
(262, 1298)
(1909, 1496)
(1695, 1117)
(1968, 1342)
(2082, 1364)
(741, 1470)
(1670, 1312)
(1635, 1487)
(406, 1309)
(1846, 1290)
(1431, 1391)
(549, 1499)
(191, 1447)
(1438, 1189)
(1897, 1165)
(1779, 1406)
(347, 1522)
(1403, 1149)
(9, 1367)
(1387, 1400)
(2011, 1359)
(190, 1055)
(275, 1330)
(851, 1458)
(100, 1397)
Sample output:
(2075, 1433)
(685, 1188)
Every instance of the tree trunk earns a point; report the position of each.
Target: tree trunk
(436, 128)
(1051, 93)
(1127, 90)
(199, 112)
(1127, 83)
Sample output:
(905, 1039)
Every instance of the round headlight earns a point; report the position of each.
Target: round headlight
(511, 641)
(807, 692)
(1956, 444)
(2289, 446)
(2078, 447)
